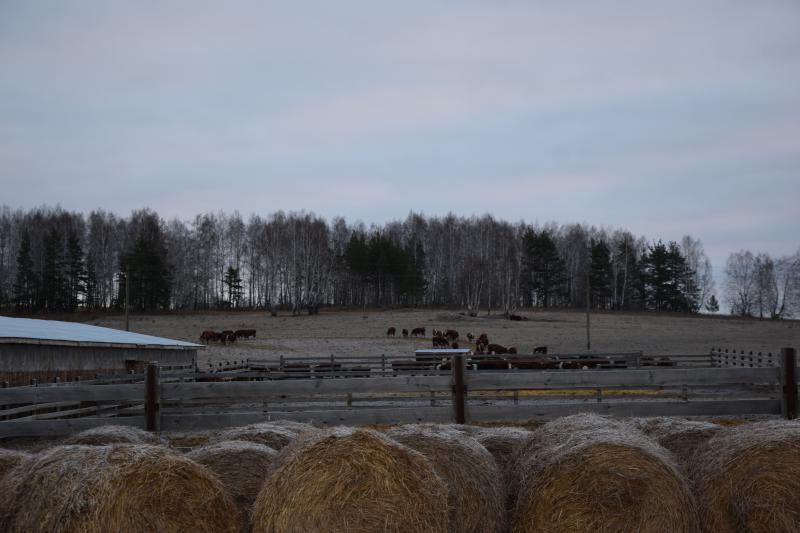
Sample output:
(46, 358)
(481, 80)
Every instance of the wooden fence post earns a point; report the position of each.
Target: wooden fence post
(152, 411)
(788, 383)
(459, 390)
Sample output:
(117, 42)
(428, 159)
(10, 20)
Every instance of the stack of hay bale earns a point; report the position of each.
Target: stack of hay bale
(579, 473)
(346, 479)
(588, 473)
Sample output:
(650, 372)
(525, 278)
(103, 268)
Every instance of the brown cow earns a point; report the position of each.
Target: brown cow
(390, 332)
(512, 350)
(438, 333)
(440, 342)
(245, 333)
(405, 333)
(483, 338)
(208, 336)
(451, 334)
(497, 349)
(418, 332)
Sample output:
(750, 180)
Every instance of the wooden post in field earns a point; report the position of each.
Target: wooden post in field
(152, 408)
(588, 306)
(788, 383)
(127, 299)
(459, 390)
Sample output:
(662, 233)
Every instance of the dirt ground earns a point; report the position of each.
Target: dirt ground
(364, 332)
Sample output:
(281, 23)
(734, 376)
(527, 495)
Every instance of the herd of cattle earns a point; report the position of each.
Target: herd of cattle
(226, 336)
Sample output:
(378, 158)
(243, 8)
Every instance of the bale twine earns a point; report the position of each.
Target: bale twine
(587, 473)
(349, 479)
(9, 459)
(242, 467)
(747, 478)
(266, 433)
(476, 495)
(111, 434)
(121, 488)
(680, 436)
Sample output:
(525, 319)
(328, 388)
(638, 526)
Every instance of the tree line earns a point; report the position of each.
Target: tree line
(52, 260)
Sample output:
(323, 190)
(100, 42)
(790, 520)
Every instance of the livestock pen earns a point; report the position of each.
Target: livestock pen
(383, 390)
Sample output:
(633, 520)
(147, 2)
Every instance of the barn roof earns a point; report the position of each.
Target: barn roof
(31, 331)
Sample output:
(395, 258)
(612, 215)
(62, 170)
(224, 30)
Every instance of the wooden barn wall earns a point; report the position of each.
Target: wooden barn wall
(19, 363)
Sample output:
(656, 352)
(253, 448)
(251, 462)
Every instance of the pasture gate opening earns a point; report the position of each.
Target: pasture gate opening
(380, 390)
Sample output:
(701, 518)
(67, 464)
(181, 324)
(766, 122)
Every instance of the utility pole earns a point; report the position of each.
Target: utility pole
(588, 306)
(127, 299)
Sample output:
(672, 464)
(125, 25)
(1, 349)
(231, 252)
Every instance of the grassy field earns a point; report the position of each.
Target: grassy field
(364, 332)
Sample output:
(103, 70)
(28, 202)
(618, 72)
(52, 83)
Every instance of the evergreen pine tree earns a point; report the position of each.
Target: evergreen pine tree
(233, 282)
(712, 305)
(544, 274)
(75, 275)
(26, 282)
(600, 274)
(51, 297)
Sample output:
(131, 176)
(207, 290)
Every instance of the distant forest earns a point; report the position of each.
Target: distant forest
(52, 260)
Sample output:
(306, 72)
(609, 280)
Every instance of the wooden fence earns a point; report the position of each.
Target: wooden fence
(732, 358)
(423, 394)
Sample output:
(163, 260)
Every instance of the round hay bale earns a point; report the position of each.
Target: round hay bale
(297, 427)
(121, 488)
(266, 433)
(747, 478)
(349, 479)
(242, 467)
(476, 495)
(103, 435)
(9, 459)
(501, 442)
(588, 473)
(680, 436)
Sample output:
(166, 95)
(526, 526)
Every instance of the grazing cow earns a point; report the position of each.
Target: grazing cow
(405, 333)
(515, 318)
(451, 334)
(497, 349)
(245, 333)
(440, 342)
(229, 337)
(390, 332)
(209, 336)
(540, 349)
(470, 337)
(418, 332)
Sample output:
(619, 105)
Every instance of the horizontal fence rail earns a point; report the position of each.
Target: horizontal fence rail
(452, 388)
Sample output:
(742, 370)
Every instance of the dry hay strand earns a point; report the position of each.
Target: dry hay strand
(588, 473)
(266, 433)
(297, 427)
(103, 435)
(476, 494)
(242, 467)
(501, 442)
(680, 436)
(9, 459)
(747, 478)
(349, 479)
(122, 488)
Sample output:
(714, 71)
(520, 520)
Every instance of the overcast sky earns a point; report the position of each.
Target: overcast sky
(665, 118)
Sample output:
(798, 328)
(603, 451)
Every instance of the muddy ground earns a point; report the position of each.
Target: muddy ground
(364, 332)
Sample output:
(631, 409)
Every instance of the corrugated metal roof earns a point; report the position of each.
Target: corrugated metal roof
(29, 330)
